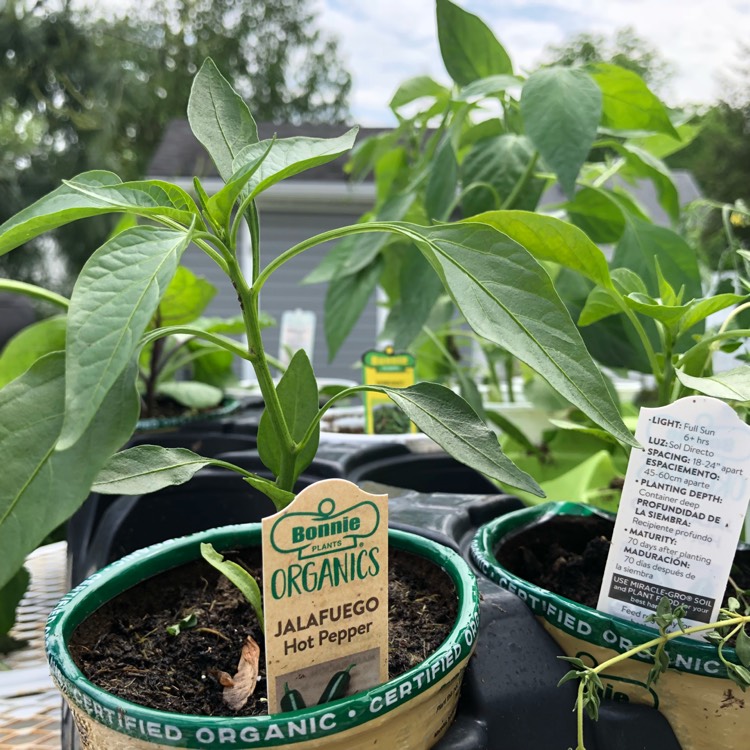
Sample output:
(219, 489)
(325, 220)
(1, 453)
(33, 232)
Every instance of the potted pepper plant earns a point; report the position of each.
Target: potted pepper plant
(670, 328)
(64, 418)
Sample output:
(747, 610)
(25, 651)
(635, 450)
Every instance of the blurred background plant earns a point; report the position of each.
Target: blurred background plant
(583, 138)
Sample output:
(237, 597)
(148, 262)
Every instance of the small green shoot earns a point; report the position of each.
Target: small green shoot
(665, 619)
(238, 576)
(186, 623)
(730, 624)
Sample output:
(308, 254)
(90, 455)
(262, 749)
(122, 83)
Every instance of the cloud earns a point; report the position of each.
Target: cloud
(388, 41)
(384, 42)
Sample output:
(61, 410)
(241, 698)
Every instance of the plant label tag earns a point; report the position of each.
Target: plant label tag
(297, 331)
(395, 370)
(325, 595)
(685, 497)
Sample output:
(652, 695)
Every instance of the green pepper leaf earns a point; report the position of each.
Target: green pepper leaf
(445, 417)
(641, 164)
(147, 468)
(600, 304)
(420, 287)
(669, 315)
(469, 48)
(298, 394)
(42, 487)
(643, 241)
(418, 87)
(499, 163)
(550, 239)
(699, 309)
(220, 205)
(219, 118)
(288, 157)
(490, 86)
(142, 197)
(742, 647)
(238, 576)
(10, 596)
(442, 183)
(628, 104)
(508, 298)
(731, 385)
(561, 108)
(346, 298)
(192, 394)
(29, 345)
(186, 298)
(113, 301)
(91, 194)
(595, 212)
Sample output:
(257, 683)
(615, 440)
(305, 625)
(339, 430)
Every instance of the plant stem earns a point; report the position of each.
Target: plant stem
(328, 404)
(738, 620)
(250, 312)
(668, 373)
(642, 335)
(579, 716)
(732, 315)
(153, 370)
(521, 183)
(36, 292)
(225, 343)
(333, 234)
(608, 173)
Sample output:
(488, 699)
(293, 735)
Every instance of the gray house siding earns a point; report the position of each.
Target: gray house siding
(312, 202)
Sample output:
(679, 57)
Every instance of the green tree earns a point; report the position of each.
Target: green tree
(624, 48)
(81, 91)
(719, 159)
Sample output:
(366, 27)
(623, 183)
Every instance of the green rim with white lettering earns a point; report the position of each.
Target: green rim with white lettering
(577, 620)
(184, 731)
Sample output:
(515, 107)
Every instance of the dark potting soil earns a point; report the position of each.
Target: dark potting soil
(125, 649)
(167, 408)
(567, 555)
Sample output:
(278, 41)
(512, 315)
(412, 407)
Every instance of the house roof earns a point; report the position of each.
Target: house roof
(181, 155)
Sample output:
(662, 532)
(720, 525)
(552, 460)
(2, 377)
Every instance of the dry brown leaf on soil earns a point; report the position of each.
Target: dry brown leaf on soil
(244, 682)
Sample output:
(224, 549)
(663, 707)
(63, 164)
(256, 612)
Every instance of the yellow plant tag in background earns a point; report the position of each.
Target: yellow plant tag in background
(325, 595)
(395, 370)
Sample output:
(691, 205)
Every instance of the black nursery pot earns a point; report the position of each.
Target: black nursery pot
(699, 701)
(421, 472)
(110, 527)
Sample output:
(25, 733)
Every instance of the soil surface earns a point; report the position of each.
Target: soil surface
(167, 408)
(124, 646)
(567, 555)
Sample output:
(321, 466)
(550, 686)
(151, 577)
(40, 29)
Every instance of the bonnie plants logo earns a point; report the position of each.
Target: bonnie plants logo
(311, 534)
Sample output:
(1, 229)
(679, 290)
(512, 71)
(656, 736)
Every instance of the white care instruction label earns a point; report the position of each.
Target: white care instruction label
(683, 504)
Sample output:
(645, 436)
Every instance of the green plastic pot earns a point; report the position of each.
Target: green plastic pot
(411, 711)
(704, 707)
(228, 406)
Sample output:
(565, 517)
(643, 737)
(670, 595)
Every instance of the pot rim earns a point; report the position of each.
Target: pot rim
(229, 405)
(483, 548)
(347, 712)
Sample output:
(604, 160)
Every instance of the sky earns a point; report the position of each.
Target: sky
(384, 42)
